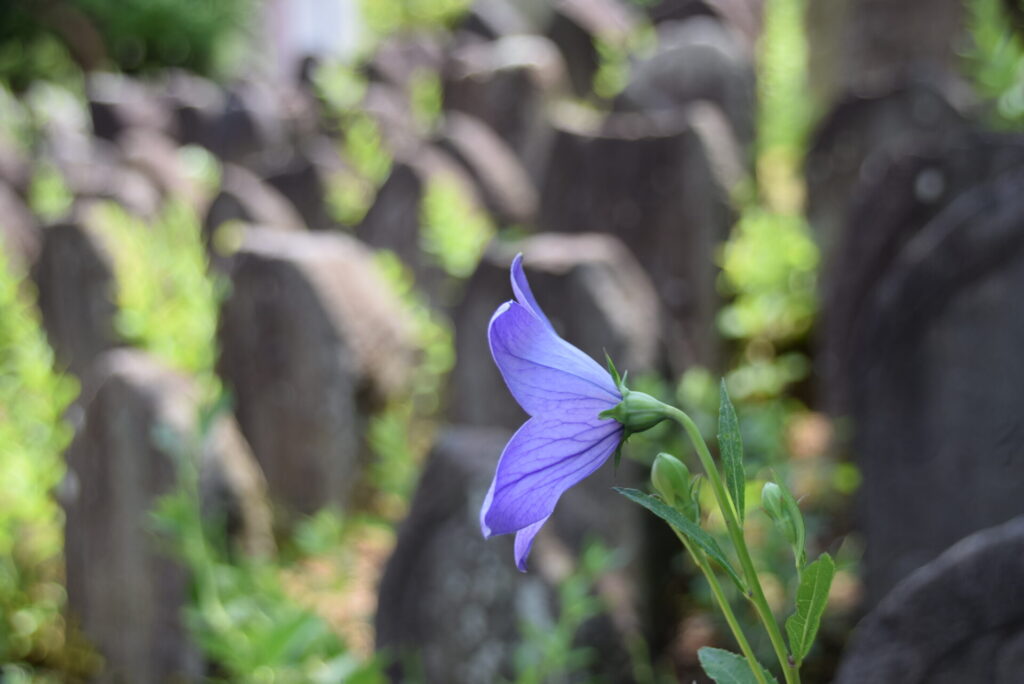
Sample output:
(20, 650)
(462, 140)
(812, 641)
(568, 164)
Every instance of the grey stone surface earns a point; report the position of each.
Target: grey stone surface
(591, 288)
(118, 102)
(921, 340)
(75, 279)
(124, 591)
(394, 220)
(957, 620)
(508, 84)
(244, 197)
(859, 46)
(311, 342)
(860, 137)
(661, 185)
(697, 59)
(505, 186)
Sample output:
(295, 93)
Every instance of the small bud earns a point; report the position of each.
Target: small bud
(782, 508)
(670, 478)
(771, 500)
(637, 411)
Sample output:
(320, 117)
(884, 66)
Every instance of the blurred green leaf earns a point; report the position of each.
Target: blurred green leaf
(728, 668)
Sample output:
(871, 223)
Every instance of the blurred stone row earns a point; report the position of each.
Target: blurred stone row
(629, 206)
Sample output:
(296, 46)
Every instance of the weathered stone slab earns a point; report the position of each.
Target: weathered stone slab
(745, 16)
(592, 290)
(508, 84)
(451, 604)
(156, 156)
(118, 102)
(505, 186)
(957, 620)
(491, 19)
(697, 59)
(861, 46)
(401, 58)
(311, 341)
(860, 137)
(394, 220)
(244, 197)
(921, 347)
(196, 105)
(124, 591)
(303, 178)
(662, 185)
(74, 274)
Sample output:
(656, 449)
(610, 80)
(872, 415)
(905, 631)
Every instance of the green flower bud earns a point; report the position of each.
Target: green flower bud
(637, 411)
(671, 479)
(771, 500)
(782, 508)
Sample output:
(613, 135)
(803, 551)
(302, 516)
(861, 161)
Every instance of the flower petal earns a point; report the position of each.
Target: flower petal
(524, 542)
(523, 293)
(546, 456)
(545, 373)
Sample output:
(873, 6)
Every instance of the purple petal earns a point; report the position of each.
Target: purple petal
(546, 456)
(523, 293)
(545, 373)
(524, 542)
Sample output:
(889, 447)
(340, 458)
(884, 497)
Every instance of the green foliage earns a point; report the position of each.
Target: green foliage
(241, 615)
(784, 114)
(48, 194)
(425, 98)
(728, 668)
(130, 35)
(400, 434)
(995, 60)
(730, 446)
(33, 435)
(684, 526)
(167, 300)
(453, 231)
(547, 652)
(385, 17)
(811, 599)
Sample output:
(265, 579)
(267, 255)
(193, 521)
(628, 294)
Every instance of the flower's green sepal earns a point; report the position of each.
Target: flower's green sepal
(637, 411)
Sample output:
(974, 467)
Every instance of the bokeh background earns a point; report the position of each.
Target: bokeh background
(250, 249)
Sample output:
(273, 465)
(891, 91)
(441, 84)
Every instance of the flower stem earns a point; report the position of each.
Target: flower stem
(755, 592)
(723, 603)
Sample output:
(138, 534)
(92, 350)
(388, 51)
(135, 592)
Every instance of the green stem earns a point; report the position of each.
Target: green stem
(756, 593)
(723, 603)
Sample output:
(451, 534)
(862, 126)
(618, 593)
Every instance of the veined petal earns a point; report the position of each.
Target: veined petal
(546, 456)
(523, 293)
(524, 542)
(545, 373)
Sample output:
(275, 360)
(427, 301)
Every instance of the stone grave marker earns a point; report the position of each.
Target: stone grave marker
(921, 339)
(312, 340)
(124, 590)
(74, 275)
(662, 185)
(957, 620)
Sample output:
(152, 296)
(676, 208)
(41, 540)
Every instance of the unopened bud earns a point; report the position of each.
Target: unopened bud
(671, 478)
(782, 508)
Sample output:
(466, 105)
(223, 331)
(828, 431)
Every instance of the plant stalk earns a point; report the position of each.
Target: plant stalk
(756, 593)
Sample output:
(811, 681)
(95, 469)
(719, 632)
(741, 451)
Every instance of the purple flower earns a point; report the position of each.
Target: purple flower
(564, 440)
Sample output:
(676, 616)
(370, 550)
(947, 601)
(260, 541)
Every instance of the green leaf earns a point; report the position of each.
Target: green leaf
(728, 668)
(688, 528)
(811, 599)
(730, 446)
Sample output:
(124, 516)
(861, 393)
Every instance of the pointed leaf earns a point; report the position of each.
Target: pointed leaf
(730, 447)
(729, 668)
(688, 528)
(811, 599)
